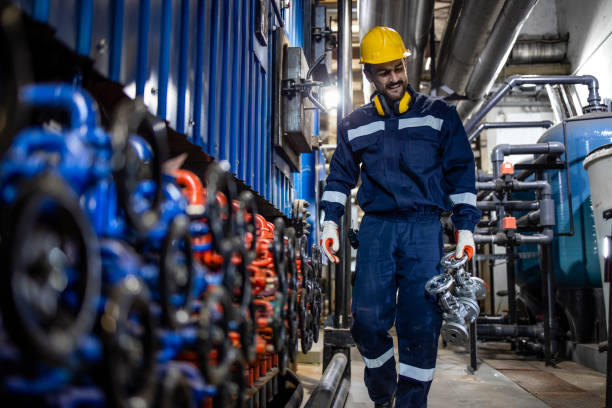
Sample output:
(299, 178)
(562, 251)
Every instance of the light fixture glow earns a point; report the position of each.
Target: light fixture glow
(427, 63)
(606, 247)
(330, 97)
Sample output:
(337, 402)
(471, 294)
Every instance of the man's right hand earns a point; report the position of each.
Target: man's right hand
(330, 241)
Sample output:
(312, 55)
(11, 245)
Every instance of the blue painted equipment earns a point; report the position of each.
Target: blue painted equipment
(576, 262)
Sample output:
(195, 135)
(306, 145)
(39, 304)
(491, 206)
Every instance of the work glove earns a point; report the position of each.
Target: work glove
(330, 241)
(465, 244)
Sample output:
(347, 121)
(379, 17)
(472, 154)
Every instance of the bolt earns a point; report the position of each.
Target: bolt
(101, 46)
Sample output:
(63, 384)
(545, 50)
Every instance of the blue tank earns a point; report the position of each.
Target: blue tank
(576, 261)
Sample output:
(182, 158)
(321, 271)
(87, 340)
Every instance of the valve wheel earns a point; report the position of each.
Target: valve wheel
(439, 283)
(128, 336)
(231, 393)
(174, 391)
(213, 336)
(450, 262)
(247, 205)
(291, 250)
(176, 273)
(131, 119)
(279, 255)
(50, 287)
(220, 216)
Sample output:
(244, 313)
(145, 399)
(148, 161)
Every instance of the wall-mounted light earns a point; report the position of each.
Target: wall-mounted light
(427, 63)
(331, 97)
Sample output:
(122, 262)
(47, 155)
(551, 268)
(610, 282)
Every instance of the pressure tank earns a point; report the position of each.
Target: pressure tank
(576, 262)
(598, 164)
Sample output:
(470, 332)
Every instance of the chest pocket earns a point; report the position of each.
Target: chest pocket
(420, 143)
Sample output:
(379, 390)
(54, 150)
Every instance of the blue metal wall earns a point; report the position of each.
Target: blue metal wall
(195, 63)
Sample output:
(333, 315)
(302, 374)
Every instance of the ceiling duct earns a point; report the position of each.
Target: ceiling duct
(469, 26)
(411, 18)
(495, 53)
(540, 51)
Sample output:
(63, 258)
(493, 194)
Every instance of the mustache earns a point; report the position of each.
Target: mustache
(395, 83)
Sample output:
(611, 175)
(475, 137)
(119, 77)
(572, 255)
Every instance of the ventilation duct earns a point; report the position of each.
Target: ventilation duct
(469, 26)
(411, 18)
(495, 53)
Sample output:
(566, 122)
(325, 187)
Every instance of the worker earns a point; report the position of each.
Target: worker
(415, 162)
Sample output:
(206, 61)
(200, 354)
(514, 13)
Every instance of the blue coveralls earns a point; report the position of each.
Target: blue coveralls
(413, 166)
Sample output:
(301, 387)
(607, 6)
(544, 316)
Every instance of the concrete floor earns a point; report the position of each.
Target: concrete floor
(503, 380)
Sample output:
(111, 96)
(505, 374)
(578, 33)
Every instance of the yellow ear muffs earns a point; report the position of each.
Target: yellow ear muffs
(404, 103)
(401, 106)
(378, 106)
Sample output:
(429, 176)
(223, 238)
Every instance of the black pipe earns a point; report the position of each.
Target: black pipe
(342, 394)
(594, 101)
(529, 219)
(511, 282)
(324, 393)
(540, 161)
(492, 331)
(492, 319)
(508, 125)
(548, 292)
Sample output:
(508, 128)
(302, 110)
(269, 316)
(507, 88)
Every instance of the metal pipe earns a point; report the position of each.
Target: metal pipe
(500, 238)
(538, 51)
(342, 394)
(594, 100)
(278, 14)
(345, 55)
(465, 36)
(508, 205)
(495, 53)
(508, 125)
(500, 151)
(324, 393)
(298, 394)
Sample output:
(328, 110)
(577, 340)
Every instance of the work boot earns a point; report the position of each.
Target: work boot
(386, 404)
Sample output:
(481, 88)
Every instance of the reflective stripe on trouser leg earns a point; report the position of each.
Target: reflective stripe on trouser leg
(418, 316)
(374, 306)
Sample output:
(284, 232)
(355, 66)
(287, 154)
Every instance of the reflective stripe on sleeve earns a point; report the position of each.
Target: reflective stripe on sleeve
(463, 198)
(365, 130)
(416, 373)
(432, 122)
(334, 197)
(380, 360)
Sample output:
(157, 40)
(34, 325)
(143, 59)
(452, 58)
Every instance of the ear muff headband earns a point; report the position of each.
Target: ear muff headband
(400, 107)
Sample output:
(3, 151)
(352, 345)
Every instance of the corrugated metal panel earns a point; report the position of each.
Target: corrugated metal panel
(195, 63)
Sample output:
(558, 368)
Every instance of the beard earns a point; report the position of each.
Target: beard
(396, 93)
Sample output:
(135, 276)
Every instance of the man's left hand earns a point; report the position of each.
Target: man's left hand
(465, 244)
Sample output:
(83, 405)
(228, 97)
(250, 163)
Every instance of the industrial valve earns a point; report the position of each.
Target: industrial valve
(458, 294)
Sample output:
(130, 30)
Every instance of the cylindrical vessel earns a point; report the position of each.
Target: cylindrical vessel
(599, 167)
(576, 261)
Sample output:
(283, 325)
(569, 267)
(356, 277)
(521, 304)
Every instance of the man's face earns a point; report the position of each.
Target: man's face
(389, 78)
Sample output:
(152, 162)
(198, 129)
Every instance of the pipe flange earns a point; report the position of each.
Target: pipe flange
(454, 333)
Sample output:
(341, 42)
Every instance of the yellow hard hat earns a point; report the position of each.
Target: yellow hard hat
(382, 44)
